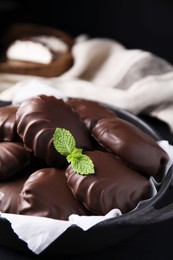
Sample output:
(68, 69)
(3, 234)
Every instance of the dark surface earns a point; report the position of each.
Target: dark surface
(153, 243)
(140, 246)
(141, 24)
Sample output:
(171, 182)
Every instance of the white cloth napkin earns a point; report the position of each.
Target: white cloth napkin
(106, 71)
(43, 231)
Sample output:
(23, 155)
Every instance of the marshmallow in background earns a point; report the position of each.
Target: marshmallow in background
(29, 51)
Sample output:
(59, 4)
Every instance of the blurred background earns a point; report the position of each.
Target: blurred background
(137, 24)
(143, 24)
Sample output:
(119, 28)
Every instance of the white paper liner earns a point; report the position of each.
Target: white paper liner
(43, 231)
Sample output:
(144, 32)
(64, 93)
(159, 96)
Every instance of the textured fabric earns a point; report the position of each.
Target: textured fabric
(106, 71)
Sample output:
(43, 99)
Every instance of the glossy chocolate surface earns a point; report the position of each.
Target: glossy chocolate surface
(37, 119)
(11, 188)
(8, 131)
(131, 144)
(13, 158)
(114, 185)
(47, 194)
(90, 111)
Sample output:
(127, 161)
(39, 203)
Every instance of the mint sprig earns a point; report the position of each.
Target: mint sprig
(65, 144)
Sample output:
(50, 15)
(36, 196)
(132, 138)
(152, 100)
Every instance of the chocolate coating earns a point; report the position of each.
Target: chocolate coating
(114, 185)
(37, 119)
(47, 194)
(131, 144)
(13, 158)
(90, 111)
(8, 131)
(11, 188)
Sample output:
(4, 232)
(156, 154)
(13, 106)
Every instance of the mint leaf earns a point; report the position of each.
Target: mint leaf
(83, 165)
(63, 141)
(65, 144)
(80, 163)
(76, 153)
